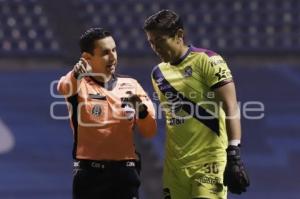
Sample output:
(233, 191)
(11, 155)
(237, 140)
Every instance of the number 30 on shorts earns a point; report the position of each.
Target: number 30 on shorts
(211, 168)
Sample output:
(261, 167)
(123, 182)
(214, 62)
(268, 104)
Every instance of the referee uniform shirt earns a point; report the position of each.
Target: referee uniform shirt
(101, 127)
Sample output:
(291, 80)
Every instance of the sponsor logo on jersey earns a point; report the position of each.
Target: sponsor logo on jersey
(208, 180)
(188, 71)
(126, 85)
(176, 121)
(164, 87)
(98, 96)
(159, 81)
(216, 60)
(222, 73)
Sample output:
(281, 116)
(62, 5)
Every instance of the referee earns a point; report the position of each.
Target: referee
(104, 109)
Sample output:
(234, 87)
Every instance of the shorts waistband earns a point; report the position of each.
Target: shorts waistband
(91, 164)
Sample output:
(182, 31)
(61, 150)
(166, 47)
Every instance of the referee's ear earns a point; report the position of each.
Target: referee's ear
(86, 56)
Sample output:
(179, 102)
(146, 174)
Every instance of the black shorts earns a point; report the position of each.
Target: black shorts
(105, 180)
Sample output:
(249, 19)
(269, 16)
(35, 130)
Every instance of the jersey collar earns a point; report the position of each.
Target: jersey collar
(183, 56)
(108, 85)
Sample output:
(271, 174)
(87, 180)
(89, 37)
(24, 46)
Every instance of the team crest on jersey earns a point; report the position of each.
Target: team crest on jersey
(96, 111)
(188, 71)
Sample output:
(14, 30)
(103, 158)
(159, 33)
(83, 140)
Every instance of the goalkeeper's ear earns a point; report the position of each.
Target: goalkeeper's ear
(179, 35)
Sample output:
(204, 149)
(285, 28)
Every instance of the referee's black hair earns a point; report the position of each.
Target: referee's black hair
(166, 21)
(87, 39)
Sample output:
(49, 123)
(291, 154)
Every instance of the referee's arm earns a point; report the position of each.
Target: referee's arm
(67, 85)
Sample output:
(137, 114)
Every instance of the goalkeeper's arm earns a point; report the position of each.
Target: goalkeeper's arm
(235, 176)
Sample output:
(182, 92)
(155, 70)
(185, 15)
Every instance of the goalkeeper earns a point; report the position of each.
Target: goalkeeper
(197, 91)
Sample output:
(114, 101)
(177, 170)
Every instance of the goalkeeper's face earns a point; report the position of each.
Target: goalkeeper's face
(104, 57)
(165, 46)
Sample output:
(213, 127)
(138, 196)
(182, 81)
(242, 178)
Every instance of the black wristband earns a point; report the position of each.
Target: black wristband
(143, 114)
(233, 152)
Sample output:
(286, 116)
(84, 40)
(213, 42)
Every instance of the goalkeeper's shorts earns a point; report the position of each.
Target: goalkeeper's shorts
(204, 180)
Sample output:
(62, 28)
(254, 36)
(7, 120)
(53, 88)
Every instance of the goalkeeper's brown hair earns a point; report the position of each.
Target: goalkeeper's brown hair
(166, 21)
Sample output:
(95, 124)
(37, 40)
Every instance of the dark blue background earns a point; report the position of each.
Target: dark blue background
(40, 164)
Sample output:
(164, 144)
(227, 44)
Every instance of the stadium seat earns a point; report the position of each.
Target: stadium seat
(25, 29)
(213, 24)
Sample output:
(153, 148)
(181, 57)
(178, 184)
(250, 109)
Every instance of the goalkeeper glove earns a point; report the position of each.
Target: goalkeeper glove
(235, 176)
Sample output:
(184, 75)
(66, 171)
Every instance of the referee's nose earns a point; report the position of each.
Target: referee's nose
(112, 56)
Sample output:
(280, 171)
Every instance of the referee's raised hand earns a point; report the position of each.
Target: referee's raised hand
(81, 67)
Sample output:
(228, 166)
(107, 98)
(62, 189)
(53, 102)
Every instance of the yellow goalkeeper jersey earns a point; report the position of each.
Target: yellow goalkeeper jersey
(196, 129)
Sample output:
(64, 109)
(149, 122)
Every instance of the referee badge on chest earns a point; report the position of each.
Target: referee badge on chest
(188, 71)
(96, 111)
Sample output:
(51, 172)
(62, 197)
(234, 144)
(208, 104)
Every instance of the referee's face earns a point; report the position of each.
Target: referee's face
(104, 58)
(163, 45)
